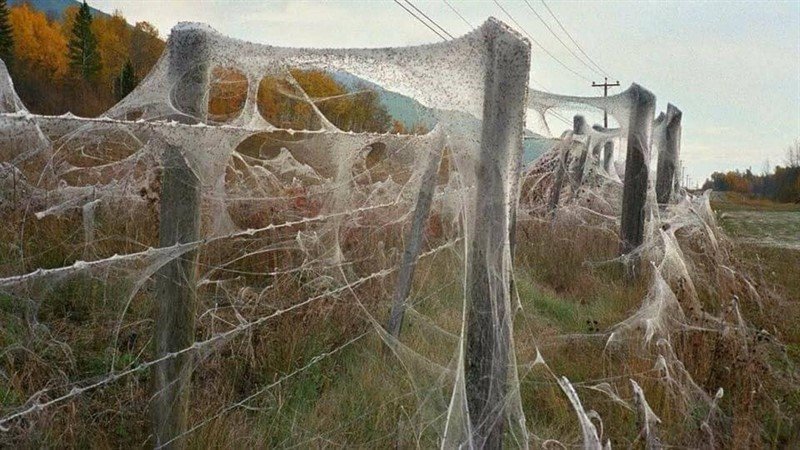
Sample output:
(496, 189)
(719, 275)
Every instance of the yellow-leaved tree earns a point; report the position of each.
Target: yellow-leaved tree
(40, 58)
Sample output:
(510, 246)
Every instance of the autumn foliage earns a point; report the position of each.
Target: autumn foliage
(289, 101)
(782, 185)
(41, 68)
(84, 63)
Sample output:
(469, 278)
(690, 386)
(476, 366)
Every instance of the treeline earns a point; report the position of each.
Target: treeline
(78, 62)
(783, 185)
(85, 64)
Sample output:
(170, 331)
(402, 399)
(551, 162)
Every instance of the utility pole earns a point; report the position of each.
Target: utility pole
(605, 87)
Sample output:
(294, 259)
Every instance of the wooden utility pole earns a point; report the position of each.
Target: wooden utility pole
(605, 85)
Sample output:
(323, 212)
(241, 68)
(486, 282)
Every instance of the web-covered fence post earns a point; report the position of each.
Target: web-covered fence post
(558, 181)
(608, 155)
(415, 235)
(175, 297)
(179, 222)
(489, 252)
(634, 192)
(579, 129)
(189, 70)
(668, 155)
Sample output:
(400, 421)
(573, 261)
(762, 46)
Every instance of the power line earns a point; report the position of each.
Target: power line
(574, 72)
(605, 85)
(431, 20)
(563, 28)
(452, 8)
(555, 114)
(572, 52)
(422, 21)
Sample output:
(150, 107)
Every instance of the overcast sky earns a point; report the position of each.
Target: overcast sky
(732, 67)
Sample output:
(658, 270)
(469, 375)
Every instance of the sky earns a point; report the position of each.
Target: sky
(732, 67)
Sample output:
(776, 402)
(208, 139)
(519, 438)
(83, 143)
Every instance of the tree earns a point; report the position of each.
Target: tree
(84, 57)
(39, 45)
(284, 103)
(6, 36)
(357, 109)
(40, 60)
(145, 48)
(113, 43)
(793, 154)
(125, 82)
(45, 50)
(781, 186)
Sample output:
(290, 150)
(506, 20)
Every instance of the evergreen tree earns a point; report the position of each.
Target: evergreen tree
(84, 59)
(125, 82)
(6, 38)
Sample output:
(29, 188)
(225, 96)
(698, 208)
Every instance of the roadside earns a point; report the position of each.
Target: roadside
(761, 223)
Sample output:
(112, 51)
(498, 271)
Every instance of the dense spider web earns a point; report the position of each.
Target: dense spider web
(303, 231)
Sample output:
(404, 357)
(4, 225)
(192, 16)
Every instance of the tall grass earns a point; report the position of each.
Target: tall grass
(364, 395)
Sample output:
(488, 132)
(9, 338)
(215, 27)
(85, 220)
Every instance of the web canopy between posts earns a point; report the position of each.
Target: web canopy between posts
(258, 209)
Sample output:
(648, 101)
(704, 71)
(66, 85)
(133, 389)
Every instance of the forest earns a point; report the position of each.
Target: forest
(77, 63)
(84, 64)
(782, 185)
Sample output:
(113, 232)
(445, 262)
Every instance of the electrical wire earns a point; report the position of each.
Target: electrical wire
(561, 41)
(564, 29)
(538, 44)
(553, 113)
(452, 8)
(431, 20)
(422, 21)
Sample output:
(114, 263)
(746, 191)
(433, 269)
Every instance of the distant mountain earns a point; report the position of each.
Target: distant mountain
(54, 9)
(401, 108)
(409, 112)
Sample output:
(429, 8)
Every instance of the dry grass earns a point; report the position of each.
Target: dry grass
(363, 396)
(733, 201)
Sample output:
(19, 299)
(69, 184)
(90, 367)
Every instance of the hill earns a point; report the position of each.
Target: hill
(54, 9)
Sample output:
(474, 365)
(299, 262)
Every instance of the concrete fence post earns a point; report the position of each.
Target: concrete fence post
(579, 128)
(488, 249)
(634, 192)
(668, 156)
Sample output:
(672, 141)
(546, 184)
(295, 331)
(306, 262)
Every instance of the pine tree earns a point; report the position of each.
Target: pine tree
(125, 82)
(6, 37)
(84, 59)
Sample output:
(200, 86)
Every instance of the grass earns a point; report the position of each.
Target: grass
(733, 201)
(363, 395)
